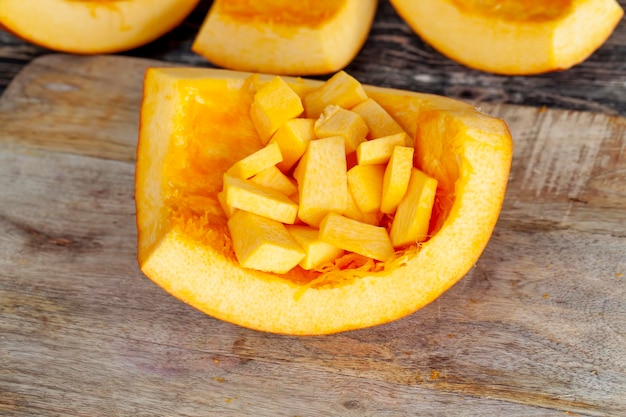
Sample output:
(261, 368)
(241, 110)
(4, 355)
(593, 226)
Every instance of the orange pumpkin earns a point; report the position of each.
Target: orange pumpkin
(285, 36)
(513, 36)
(92, 26)
(195, 124)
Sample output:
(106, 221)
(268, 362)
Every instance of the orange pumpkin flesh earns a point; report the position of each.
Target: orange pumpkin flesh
(285, 36)
(92, 26)
(513, 36)
(195, 124)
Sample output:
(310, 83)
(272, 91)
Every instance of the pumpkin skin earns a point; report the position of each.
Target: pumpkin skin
(284, 36)
(513, 37)
(92, 26)
(195, 124)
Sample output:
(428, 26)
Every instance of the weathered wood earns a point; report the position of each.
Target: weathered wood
(394, 56)
(538, 327)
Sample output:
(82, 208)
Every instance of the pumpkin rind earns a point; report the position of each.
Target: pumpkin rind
(92, 26)
(512, 36)
(183, 242)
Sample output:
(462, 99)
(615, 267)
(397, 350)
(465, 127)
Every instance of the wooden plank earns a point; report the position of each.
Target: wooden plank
(538, 327)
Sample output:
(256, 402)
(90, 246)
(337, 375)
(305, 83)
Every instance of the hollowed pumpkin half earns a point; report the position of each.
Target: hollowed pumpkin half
(513, 36)
(92, 26)
(195, 124)
(285, 36)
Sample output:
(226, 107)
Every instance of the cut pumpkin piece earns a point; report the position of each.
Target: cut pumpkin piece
(273, 177)
(283, 36)
(341, 90)
(378, 121)
(195, 124)
(412, 220)
(337, 121)
(513, 36)
(378, 151)
(396, 178)
(354, 236)
(273, 105)
(263, 244)
(365, 183)
(293, 138)
(322, 181)
(245, 195)
(259, 161)
(317, 252)
(92, 27)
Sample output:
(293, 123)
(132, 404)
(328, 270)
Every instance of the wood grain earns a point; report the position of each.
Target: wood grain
(537, 328)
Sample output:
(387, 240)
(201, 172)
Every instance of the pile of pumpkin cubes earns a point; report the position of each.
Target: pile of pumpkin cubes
(335, 175)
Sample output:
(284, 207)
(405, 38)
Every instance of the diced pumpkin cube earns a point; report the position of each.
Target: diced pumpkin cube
(357, 237)
(273, 105)
(341, 89)
(293, 138)
(256, 162)
(353, 212)
(396, 179)
(263, 244)
(378, 121)
(317, 252)
(228, 210)
(378, 151)
(245, 195)
(365, 183)
(337, 121)
(322, 183)
(410, 224)
(272, 177)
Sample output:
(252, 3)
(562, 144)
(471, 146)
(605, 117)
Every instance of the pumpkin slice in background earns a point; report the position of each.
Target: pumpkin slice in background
(195, 124)
(285, 36)
(92, 26)
(513, 36)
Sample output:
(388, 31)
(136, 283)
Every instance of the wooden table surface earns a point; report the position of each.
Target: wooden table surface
(538, 328)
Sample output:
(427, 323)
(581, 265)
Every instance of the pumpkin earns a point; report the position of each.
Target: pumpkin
(196, 125)
(513, 36)
(285, 36)
(92, 26)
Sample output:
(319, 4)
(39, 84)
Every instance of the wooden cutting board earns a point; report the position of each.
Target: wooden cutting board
(537, 328)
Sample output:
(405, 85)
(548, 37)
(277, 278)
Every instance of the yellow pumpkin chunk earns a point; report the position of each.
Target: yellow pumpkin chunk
(322, 180)
(245, 195)
(378, 151)
(366, 185)
(263, 244)
(378, 121)
(317, 252)
(256, 162)
(353, 212)
(396, 179)
(341, 89)
(357, 237)
(410, 224)
(293, 138)
(273, 105)
(272, 177)
(337, 121)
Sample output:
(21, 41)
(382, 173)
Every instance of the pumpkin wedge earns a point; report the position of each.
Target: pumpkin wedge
(513, 36)
(284, 36)
(195, 124)
(92, 26)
